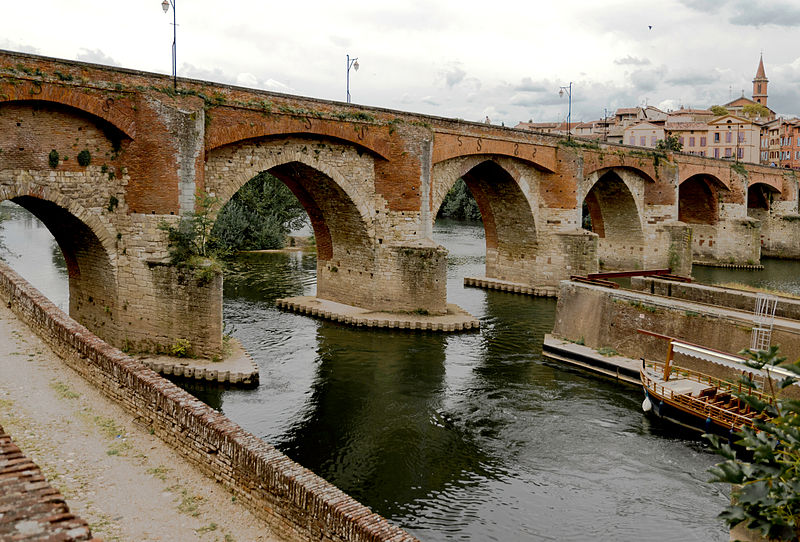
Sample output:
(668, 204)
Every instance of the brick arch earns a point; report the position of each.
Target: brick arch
(339, 207)
(23, 185)
(759, 196)
(620, 164)
(96, 106)
(504, 190)
(616, 215)
(250, 163)
(698, 199)
(88, 249)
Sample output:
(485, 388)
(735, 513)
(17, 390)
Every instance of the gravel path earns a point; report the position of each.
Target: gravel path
(126, 483)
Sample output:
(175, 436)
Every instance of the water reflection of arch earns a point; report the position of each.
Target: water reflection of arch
(614, 200)
(375, 423)
(506, 192)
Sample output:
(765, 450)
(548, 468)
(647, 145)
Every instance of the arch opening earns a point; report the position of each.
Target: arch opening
(759, 198)
(508, 222)
(91, 276)
(345, 250)
(698, 200)
(609, 210)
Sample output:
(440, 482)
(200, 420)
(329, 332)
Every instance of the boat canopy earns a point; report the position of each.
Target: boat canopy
(721, 358)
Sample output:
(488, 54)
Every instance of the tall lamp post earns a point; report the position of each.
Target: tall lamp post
(350, 64)
(165, 6)
(568, 91)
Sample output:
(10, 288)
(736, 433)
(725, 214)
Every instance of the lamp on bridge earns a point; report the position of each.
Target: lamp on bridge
(568, 91)
(165, 6)
(350, 64)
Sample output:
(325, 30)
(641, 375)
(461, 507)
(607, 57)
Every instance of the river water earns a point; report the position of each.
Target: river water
(471, 436)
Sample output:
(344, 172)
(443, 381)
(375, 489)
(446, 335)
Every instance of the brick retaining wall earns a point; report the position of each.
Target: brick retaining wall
(296, 503)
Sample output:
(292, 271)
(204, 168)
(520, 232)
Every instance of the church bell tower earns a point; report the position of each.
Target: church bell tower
(760, 84)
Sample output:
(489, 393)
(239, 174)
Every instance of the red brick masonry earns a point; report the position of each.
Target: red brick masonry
(30, 508)
(296, 503)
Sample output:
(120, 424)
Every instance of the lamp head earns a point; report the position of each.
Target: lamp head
(165, 5)
(355, 64)
(561, 92)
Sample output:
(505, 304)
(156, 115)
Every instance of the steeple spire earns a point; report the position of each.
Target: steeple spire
(760, 83)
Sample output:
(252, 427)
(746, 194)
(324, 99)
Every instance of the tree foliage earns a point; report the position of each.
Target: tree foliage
(765, 469)
(719, 110)
(459, 203)
(670, 143)
(755, 110)
(258, 216)
(190, 239)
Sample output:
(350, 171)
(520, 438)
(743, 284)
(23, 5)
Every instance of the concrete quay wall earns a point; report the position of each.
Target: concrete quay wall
(297, 504)
(602, 318)
(787, 307)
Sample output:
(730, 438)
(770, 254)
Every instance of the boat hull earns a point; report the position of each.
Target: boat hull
(666, 410)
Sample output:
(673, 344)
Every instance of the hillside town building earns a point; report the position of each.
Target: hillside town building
(744, 129)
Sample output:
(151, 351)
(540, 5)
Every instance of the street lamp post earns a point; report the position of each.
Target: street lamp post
(350, 64)
(165, 6)
(561, 92)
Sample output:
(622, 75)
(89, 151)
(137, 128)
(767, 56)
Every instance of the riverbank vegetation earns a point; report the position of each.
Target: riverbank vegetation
(765, 471)
(459, 204)
(258, 217)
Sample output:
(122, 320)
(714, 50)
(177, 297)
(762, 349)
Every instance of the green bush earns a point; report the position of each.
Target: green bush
(84, 158)
(765, 470)
(258, 216)
(459, 203)
(52, 158)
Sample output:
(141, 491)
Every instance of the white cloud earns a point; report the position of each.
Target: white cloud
(461, 59)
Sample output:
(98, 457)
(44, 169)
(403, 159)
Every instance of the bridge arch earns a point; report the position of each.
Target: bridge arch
(88, 247)
(104, 108)
(333, 183)
(698, 199)
(760, 197)
(612, 207)
(504, 190)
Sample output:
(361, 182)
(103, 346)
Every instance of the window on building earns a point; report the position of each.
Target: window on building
(727, 152)
(653, 141)
(727, 137)
(789, 141)
(680, 140)
(691, 142)
(716, 153)
(633, 140)
(642, 141)
(716, 137)
(740, 153)
(741, 137)
(702, 141)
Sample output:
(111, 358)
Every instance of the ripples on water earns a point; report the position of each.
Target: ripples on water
(469, 436)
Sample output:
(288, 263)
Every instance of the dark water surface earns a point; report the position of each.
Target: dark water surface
(455, 437)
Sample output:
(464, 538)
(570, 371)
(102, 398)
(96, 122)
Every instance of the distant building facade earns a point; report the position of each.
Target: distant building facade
(748, 131)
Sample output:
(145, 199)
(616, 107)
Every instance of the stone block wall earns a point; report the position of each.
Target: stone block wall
(729, 241)
(603, 317)
(297, 504)
(714, 295)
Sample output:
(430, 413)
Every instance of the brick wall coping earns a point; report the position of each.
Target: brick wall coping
(30, 508)
(298, 504)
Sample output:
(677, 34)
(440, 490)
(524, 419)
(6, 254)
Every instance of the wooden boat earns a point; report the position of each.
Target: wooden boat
(697, 400)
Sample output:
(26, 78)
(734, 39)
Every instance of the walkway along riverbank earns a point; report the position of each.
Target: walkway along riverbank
(297, 504)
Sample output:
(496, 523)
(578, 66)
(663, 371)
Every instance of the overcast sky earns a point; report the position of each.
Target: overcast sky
(460, 58)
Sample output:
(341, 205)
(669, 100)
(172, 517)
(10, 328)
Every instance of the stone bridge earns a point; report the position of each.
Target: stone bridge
(104, 155)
